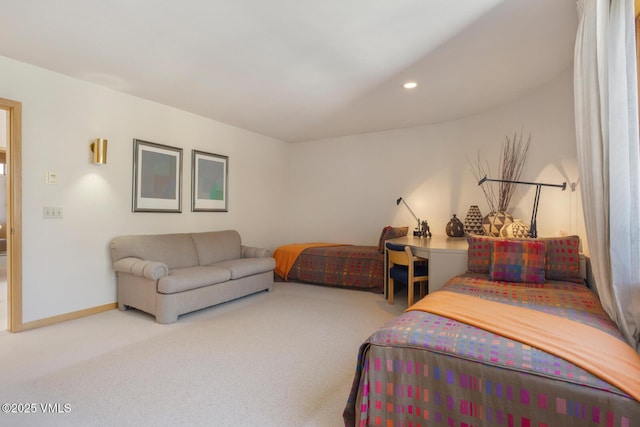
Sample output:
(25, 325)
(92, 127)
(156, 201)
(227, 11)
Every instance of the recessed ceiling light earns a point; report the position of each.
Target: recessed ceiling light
(410, 85)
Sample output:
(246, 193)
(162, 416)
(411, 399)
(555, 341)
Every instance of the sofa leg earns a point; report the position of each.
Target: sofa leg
(166, 319)
(122, 307)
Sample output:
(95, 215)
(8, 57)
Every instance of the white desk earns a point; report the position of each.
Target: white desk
(447, 257)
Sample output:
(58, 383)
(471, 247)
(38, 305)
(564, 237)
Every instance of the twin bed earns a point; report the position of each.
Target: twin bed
(519, 340)
(338, 265)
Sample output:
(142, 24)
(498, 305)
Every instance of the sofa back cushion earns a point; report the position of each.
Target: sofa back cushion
(175, 250)
(216, 246)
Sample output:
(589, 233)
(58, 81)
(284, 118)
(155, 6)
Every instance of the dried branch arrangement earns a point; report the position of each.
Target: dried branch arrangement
(513, 157)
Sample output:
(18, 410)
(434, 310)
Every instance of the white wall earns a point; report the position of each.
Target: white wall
(341, 189)
(344, 189)
(66, 262)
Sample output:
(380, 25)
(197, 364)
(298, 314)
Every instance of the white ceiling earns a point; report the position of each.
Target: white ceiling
(299, 70)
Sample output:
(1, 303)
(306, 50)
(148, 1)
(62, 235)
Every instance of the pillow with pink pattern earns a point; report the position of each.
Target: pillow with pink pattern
(521, 261)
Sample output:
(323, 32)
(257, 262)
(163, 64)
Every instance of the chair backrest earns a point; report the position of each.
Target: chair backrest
(402, 267)
(399, 254)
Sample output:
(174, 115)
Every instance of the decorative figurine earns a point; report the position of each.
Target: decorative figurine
(424, 229)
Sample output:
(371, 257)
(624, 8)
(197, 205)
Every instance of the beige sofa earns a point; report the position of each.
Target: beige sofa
(171, 274)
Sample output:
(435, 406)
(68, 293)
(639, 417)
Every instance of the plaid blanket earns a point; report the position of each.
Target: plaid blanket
(355, 267)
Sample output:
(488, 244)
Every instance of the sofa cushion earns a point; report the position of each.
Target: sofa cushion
(215, 246)
(174, 250)
(244, 267)
(184, 279)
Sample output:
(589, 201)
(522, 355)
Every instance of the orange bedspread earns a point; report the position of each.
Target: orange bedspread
(286, 255)
(595, 351)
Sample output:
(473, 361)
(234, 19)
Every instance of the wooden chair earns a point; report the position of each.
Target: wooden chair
(405, 268)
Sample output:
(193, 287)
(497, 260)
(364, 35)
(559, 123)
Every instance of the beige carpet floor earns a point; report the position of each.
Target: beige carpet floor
(284, 358)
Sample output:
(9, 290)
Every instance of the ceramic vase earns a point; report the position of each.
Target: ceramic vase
(493, 223)
(473, 221)
(455, 228)
(517, 229)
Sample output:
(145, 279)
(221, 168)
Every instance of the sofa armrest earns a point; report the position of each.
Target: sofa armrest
(251, 252)
(150, 269)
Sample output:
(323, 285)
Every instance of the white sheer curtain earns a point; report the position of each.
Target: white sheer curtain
(606, 104)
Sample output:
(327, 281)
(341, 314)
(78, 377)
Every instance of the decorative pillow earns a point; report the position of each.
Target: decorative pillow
(563, 259)
(390, 232)
(518, 261)
(479, 253)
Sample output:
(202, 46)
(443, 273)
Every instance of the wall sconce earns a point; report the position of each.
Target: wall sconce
(99, 149)
(422, 230)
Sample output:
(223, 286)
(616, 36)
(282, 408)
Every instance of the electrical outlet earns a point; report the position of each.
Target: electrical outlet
(51, 212)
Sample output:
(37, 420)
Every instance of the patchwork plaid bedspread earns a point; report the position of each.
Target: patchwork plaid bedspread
(356, 267)
(422, 369)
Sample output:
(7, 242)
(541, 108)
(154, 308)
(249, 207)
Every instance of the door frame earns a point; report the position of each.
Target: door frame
(14, 213)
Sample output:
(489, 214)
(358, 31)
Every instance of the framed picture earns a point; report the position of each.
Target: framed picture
(209, 182)
(157, 177)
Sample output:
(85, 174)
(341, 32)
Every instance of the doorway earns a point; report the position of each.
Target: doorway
(4, 292)
(11, 112)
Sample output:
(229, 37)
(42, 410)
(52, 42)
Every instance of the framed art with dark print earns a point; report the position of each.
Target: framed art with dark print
(157, 177)
(209, 182)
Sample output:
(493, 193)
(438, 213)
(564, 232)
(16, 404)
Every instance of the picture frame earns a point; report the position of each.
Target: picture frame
(209, 182)
(157, 177)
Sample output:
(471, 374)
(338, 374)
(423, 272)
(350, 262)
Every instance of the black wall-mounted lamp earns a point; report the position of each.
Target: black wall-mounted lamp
(533, 228)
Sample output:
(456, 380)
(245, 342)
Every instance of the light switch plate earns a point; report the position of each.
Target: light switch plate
(52, 212)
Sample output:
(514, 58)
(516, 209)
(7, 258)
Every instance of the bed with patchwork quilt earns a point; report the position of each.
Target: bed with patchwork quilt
(519, 340)
(336, 264)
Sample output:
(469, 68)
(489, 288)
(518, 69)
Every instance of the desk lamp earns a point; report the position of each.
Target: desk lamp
(422, 230)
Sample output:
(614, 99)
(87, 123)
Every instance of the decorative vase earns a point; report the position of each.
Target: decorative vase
(495, 221)
(517, 229)
(455, 228)
(473, 221)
